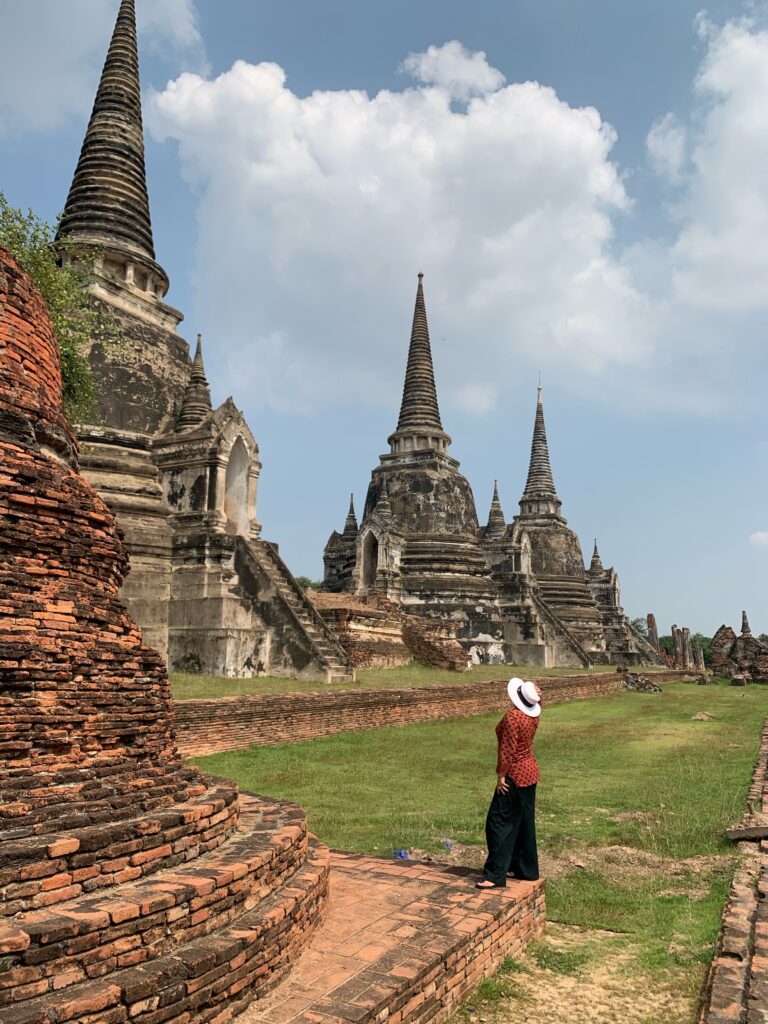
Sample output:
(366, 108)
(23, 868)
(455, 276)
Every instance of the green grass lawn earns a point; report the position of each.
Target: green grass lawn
(632, 770)
(194, 687)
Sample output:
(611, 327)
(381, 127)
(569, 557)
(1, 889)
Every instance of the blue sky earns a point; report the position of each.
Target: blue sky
(604, 223)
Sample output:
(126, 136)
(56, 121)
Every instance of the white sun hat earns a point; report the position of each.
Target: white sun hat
(524, 696)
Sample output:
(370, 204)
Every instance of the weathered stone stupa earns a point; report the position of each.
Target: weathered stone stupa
(517, 592)
(132, 887)
(181, 476)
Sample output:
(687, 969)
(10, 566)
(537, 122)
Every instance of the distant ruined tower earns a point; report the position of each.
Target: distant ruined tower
(181, 475)
(517, 592)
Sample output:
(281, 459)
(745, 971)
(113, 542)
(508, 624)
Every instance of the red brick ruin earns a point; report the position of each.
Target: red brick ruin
(133, 886)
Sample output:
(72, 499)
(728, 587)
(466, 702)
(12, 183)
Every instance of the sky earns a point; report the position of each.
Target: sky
(584, 187)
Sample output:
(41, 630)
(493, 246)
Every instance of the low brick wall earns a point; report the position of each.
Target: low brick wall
(234, 723)
(736, 989)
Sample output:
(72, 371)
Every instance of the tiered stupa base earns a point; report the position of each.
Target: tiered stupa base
(185, 914)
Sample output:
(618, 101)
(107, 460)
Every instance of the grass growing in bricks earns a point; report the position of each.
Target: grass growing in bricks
(197, 687)
(634, 799)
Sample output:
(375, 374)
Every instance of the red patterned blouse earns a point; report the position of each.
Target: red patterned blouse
(515, 734)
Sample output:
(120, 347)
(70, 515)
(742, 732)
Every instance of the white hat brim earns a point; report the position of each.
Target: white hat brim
(513, 687)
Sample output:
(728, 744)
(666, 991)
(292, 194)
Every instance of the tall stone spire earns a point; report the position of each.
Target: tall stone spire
(196, 404)
(745, 630)
(350, 526)
(496, 523)
(596, 565)
(108, 204)
(419, 419)
(540, 496)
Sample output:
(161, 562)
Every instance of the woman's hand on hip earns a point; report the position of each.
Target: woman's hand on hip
(502, 786)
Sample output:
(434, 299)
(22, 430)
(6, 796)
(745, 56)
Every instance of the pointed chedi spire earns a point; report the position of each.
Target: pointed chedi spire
(540, 496)
(350, 526)
(196, 404)
(745, 630)
(108, 204)
(596, 565)
(419, 419)
(496, 522)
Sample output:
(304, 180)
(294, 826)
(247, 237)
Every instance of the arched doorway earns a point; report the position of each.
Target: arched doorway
(370, 560)
(236, 489)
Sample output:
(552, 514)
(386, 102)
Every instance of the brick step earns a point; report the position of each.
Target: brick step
(34, 804)
(402, 943)
(137, 922)
(42, 871)
(209, 978)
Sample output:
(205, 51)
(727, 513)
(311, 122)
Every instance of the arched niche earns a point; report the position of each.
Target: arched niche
(236, 489)
(370, 560)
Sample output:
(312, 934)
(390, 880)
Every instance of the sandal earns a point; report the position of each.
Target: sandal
(485, 884)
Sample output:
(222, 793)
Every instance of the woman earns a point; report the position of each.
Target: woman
(510, 828)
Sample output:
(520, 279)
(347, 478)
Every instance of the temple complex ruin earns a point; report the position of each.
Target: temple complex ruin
(516, 592)
(132, 886)
(181, 475)
(742, 657)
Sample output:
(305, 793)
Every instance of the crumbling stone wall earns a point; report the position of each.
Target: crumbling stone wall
(743, 655)
(376, 633)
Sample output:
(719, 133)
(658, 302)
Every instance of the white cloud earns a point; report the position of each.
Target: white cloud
(316, 212)
(720, 260)
(51, 54)
(759, 539)
(666, 144)
(457, 70)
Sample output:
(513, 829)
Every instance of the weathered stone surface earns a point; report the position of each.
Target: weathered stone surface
(742, 659)
(516, 593)
(181, 476)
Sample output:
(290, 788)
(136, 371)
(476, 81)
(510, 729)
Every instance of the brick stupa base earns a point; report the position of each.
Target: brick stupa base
(132, 888)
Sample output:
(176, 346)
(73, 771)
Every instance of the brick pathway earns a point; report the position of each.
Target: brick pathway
(403, 942)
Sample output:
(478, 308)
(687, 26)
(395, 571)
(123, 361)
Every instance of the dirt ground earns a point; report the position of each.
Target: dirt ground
(602, 992)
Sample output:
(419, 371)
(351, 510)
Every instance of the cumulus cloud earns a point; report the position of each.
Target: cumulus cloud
(51, 54)
(454, 68)
(759, 539)
(720, 259)
(316, 212)
(666, 144)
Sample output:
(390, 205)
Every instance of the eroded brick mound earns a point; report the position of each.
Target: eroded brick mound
(85, 723)
(132, 887)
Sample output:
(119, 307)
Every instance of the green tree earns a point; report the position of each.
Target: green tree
(78, 323)
(641, 625)
(307, 584)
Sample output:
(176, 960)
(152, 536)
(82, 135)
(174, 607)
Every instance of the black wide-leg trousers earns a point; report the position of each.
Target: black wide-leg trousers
(510, 832)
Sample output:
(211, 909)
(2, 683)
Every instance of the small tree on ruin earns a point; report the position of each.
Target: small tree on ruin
(78, 323)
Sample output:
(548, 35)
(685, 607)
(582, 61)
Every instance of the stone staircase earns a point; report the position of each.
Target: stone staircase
(560, 629)
(329, 652)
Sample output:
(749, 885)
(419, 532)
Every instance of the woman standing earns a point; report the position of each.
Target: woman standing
(510, 828)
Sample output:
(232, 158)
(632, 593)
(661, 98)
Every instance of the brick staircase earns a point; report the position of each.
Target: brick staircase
(310, 623)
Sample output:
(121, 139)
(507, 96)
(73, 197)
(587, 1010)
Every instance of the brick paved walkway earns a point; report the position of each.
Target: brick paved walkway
(403, 942)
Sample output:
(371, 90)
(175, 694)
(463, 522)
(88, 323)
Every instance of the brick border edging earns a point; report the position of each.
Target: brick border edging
(235, 723)
(742, 944)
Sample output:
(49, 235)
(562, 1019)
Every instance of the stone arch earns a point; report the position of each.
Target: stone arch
(370, 551)
(236, 488)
